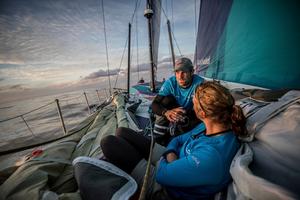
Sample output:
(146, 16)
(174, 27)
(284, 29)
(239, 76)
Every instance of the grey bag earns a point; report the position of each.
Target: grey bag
(268, 166)
(98, 179)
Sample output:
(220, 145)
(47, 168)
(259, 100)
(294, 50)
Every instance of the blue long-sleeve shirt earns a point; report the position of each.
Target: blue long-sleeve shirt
(202, 167)
(183, 96)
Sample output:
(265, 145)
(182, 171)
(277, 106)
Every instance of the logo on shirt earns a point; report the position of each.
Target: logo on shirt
(196, 160)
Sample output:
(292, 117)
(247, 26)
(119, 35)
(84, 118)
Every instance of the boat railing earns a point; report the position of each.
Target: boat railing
(51, 120)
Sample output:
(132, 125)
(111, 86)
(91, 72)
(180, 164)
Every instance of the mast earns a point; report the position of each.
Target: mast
(128, 69)
(148, 14)
(171, 42)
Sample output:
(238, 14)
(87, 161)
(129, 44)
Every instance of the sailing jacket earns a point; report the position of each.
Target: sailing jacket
(202, 167)
(183, 96)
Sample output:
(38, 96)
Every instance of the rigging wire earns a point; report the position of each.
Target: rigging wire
(176, 43)
(137, 5)
(131, 54)
(137, 47)
(30, 130)
(172, 31)
(195, 13)
(4, 120)
(22, 116)
(68, 99)
(121, 62)
(195, 10)
(106, 48)
(166, 34)
(166, 5)
(72, 111)
(172, 9)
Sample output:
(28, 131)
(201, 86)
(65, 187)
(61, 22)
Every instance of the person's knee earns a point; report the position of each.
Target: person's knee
(121, 130)
(107, 142)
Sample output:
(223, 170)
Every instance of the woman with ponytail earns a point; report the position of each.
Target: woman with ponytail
(215, 103)
(194, 165)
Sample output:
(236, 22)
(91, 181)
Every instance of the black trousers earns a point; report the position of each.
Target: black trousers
(126, 148)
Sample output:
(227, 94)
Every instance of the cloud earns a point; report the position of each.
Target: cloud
(62, 31)
(101, 73)
(164, 63)
(56, 43)
(17, 87)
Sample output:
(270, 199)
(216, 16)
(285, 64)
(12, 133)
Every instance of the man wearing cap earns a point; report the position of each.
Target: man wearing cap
(173, 104)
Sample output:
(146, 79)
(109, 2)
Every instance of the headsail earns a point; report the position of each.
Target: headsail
(250, 42)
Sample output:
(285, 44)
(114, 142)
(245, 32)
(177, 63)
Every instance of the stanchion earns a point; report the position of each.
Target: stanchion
(61, 117)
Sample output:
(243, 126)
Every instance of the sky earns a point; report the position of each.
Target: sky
(59, 45)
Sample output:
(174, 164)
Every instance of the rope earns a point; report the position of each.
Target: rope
(147, 173)
(26, 112)
(106, 48)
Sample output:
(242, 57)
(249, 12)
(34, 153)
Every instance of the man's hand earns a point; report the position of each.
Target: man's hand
(175, 114)
(171, 157)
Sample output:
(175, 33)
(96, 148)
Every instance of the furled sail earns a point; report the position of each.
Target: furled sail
(153, 14)
(156, 5)
(250, 42)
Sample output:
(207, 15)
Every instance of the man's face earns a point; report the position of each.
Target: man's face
(184, 78)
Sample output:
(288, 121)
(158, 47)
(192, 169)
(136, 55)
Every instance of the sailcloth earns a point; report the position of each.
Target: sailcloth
(251, 42)
(155, 27)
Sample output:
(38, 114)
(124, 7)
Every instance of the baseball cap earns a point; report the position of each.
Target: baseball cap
(183, 64)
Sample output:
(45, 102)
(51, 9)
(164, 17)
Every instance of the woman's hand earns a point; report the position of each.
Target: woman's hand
(175, 114)
(171, 157)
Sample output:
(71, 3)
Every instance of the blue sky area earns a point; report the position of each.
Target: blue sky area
(59, 44)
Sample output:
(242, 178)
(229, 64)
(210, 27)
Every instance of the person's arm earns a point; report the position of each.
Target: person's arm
(165, 90)
(157, 107)
(177, 142)
(173, 115)
(173, 148)
(202, 167)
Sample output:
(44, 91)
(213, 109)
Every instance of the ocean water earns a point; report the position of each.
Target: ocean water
(38, 118)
